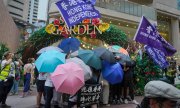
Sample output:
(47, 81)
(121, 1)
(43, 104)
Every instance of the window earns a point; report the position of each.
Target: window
(19, 2)
(15, 14)
(15, 7)
(34, 16)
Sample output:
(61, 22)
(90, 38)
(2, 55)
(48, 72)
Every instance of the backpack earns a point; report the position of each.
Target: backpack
(4, 73)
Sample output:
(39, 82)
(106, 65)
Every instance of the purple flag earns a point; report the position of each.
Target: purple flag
(74, 11)
(148, 34)
(158, 57)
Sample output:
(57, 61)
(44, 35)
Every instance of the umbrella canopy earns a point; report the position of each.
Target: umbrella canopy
(86, 68)
(69, 45)
(121, 52)
(49, 48)
(118, 49)
(68, 78)
(105, 54)
(48, 61)
(113, 73)
(123, 58)
(90, 58)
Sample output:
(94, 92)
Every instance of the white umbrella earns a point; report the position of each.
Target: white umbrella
(86, 68)
(49, 48)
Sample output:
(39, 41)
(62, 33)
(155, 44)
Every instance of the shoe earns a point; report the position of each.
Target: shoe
(21, 96)
(121, 100)
(126, 101)
(114, 102)
(16, 94)
(135, 102)
(5, 106)
(10, 94)
(107, 105)
(118, 102)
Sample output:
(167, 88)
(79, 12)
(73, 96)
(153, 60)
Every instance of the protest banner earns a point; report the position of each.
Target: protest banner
(74, 11)
(158, 57)
(89, 95)
(147, 34)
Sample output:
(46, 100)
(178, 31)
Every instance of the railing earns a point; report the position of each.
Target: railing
(128, 8)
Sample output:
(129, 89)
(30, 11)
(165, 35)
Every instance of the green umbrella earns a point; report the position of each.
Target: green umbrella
(90, 58)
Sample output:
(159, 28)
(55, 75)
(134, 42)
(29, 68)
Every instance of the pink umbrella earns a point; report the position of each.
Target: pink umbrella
(68, 78)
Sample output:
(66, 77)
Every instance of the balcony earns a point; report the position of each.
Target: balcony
(143, 2)
(128, 8)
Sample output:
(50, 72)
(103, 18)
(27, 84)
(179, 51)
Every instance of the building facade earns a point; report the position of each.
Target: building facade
(9, 32)
(33, 11)
(126, 14)
(18, 11)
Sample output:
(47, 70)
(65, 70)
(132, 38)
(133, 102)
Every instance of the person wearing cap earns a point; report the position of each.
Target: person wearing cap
(159, 94)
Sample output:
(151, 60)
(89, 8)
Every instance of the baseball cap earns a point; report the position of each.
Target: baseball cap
(154, 89)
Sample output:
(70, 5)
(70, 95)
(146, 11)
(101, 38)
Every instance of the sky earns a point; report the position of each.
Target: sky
(42, 9)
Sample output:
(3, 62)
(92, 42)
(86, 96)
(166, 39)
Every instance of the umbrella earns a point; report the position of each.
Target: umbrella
(118, 49)
(113, 73)
(90, 58)
(105, 54)
(121, 52)
(123, 58)
(86, 69)
(68, 78)
(69, 45)
(48, 61)
(48, 49)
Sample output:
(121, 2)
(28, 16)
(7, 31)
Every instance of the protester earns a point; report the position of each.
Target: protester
(40, 88)
(159, 94)
(28, 69)
(105, 92)
(48, 91)
(7, 75)
(128, 82)
(18, 64)
(56, 99)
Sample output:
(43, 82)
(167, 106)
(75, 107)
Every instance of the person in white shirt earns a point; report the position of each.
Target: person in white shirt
(48, 91)
(40, 87)
(28, 69)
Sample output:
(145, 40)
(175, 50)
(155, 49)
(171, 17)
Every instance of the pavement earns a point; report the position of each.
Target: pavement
(30, 101)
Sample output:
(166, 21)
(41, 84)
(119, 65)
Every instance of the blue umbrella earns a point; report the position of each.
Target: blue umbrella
(90, 58)
(48, 49)
(69, 44)
(49, 60)
(113, 73)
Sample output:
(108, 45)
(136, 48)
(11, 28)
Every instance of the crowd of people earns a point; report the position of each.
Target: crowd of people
(157, 93)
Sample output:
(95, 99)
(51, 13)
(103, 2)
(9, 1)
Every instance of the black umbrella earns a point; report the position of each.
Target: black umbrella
(105, 54)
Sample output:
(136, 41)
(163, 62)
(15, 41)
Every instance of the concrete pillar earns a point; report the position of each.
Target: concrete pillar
(175, 35)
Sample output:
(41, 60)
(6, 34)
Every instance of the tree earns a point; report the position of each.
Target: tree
(3, 49)
(145, 71)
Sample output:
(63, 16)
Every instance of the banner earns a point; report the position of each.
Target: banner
(74, 11)
(148, 35)
(158, 56)
(89, 95)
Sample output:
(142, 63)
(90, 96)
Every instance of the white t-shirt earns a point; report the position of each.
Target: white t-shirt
(28, 68)
(49, 82)
(42, 76)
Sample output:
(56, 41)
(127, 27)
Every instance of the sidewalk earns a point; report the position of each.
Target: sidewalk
(30, 101)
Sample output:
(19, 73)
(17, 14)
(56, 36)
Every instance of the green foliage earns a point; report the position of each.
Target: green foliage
(3, 49)
(38, 40)
(114, 36)
(145, 71)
